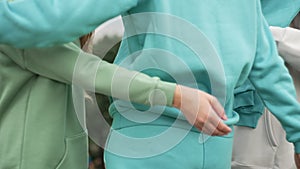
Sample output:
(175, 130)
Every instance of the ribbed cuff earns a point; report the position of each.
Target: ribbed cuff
(168, 89)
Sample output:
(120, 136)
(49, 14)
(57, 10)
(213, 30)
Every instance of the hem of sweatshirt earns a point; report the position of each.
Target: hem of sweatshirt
(249, 120)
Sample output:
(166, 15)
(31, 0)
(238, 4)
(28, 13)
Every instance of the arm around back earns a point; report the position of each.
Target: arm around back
(69, 64)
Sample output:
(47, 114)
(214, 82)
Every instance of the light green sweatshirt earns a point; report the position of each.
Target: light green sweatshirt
(39, 109)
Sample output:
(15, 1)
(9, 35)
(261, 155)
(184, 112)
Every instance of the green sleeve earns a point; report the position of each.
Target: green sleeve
(40, 23)
(69, 64)
(274, 84)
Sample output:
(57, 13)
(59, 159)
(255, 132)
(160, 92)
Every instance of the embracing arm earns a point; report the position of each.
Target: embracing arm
(36, 23)
(69, 64)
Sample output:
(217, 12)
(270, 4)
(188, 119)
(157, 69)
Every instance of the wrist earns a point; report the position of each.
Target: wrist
(177, 97)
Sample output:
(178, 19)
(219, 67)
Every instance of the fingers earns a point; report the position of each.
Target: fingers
(213, 125)
(216, 105)
(213, 130)
(223, 128)
(201, 110)
(216, 125)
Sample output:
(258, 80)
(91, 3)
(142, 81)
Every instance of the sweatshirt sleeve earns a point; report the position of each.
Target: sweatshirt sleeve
(288, 42)
(279, 12)
(41, 23)
(69, 64)
(274, 84)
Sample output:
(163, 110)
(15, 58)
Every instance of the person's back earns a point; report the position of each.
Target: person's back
(157, 26)
(210, 45)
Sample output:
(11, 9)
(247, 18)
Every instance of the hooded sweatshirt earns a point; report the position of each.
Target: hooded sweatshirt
(179, 41)
(277, 13)
(42, 111)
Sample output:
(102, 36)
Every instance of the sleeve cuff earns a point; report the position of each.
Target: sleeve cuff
(168, 89)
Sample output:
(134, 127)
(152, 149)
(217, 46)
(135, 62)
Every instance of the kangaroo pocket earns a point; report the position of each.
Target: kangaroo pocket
(125, 117)
(75, 155)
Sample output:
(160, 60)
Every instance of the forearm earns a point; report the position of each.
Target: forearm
(69, 64)
(133, 86)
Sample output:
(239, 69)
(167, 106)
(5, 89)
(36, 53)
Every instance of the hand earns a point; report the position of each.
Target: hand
(297, 160)
(201, 110)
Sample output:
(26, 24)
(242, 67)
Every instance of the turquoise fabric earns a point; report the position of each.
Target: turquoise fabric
(64, 23)
(277, 13)
(188, 154)
(280, 13)
(36, 23)
(248, 105)
(241, 37)
(251, 50)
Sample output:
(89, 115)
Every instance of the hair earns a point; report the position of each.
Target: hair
(84, 39)
(296, 22)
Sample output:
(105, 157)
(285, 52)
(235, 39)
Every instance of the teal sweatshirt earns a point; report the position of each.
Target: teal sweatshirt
(159, 45)
(249, 48)
(248, 105)
(280, 13)
(247, 102)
